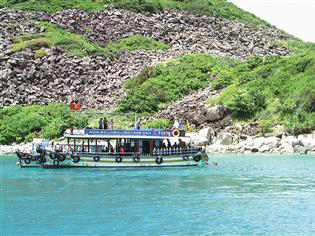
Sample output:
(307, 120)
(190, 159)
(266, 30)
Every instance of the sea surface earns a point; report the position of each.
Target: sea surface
(241, 195)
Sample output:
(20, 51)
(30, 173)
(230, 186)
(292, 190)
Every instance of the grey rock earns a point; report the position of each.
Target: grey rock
(299, 149)
(224, 139)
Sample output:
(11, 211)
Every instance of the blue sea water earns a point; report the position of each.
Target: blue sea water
(241, 195)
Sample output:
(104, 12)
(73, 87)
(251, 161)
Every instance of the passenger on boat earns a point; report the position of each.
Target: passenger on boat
(162, 145)
(105, 123)
(101, 124)
(122, 150)
(180, 124)
(187, 126)
(176, 123)
(138, 124)
(110, 148)
(111, 124)
(83, 148)
(169, 145)
(175, 145)
(182, 144)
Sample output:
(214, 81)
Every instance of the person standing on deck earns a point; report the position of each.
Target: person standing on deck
(105, 123)
(176, 123)
(138, 124)
(101, 125)
(111, 124)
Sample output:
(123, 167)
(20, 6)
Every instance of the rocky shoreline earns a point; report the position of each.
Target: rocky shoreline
(227, 143)
(11, 149)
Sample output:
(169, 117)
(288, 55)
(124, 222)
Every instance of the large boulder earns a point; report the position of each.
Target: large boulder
(224, 139)
(271, 142)
(199, 119)
(300, 149)
(215, 113)
(201, 138)
(209, 114)
(264, 148)
(307, 140)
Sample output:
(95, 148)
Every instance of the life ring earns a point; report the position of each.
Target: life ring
(186, 158)
(136, 159)
(27, 161)
(118, 159)
(159, 160)
(61, 157)
(56, 162)
(76, 159)
(96, 158)
(175, 133)
(197, 158)
(52, 156)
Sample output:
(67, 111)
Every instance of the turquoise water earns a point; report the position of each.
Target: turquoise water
(241, 195)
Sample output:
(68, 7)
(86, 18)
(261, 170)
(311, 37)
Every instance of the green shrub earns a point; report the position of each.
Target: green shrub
(40, 53)
(158, 124)
(156, 87)
(281, 90)
(17, 123)
(265, 126)
(33, 44)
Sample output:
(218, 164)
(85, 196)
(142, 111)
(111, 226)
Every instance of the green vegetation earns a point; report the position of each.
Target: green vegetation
(158, 124)
(120, 120)
(280, 90)
(78, 45)
(274, 90)
(53, 5)
(218, 8)
(18, 124)
(73, 44)
(136, 42)
(40, 53)
(155, 87)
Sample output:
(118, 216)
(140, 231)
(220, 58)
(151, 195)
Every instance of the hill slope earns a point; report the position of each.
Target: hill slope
(166, 54)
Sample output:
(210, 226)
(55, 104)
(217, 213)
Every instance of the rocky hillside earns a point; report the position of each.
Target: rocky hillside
(97, 79)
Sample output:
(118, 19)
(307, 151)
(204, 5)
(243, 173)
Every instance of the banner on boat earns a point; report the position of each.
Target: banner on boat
(159, 133)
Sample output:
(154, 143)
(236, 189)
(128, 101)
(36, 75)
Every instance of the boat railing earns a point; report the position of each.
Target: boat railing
(176, 151)
(83, 150)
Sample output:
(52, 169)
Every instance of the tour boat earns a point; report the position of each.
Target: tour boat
(104, 148)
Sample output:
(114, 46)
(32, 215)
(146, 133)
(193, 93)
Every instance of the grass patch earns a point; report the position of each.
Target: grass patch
(34, 44)
(136, 42)
(73, 44)
(218, 8)
(53, 5)
(158, 124)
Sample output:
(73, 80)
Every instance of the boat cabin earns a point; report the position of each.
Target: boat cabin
(144, 142)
